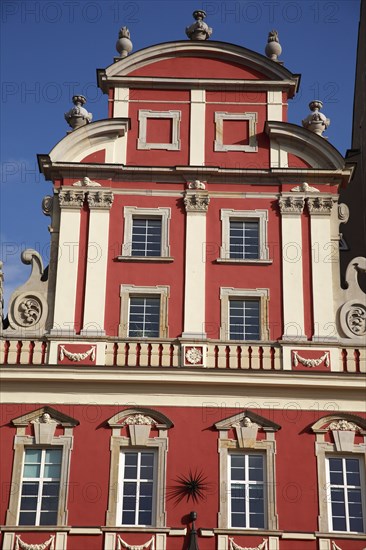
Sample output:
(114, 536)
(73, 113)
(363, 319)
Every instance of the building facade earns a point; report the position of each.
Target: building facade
(189, 347)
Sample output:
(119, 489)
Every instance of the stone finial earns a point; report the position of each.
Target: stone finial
(78, 116)
(316, 122)
(124, 45)
(199, 30)
(273, 48)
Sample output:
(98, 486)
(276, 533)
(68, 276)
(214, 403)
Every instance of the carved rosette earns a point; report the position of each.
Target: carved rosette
(353, 319)
(71, 198)
(320, 206)
(47, 205)
(291, 205)
(27, 310)
(100, 199)
(194, 355)
(343, 212)
(196, 201)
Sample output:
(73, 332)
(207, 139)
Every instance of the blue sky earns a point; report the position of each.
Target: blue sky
(51, 49)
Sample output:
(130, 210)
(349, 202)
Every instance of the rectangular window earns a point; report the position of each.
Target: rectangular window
(39, 499)
(146, 237)
(144, 316)
(137, 487)
(247, 491)
(244, 239)
(345, 494)
(244, 320)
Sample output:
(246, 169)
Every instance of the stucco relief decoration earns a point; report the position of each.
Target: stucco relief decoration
(194, 355)
(71, 198)
(150, 544)
(77, 357)
(352, 313)
(28, 306)
(196, 202)
(343, 212)
(343, 425)
(291, 205)
(311, 363)
(45, 418)
(304, 188)
(27, 310)
(320, 205)
(138, 419)
(262, 546)
(199, 30)
(21, 545)
(86, 182)
(100, 199)
(47, 205)
(197, 184)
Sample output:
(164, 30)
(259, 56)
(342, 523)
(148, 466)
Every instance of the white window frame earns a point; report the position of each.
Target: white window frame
(128, 291)
(158, 298)
(131, 212)
(23, 442)
(40, 480)
(260, 294)
(158, 444)
(228, 215)
(344, 487)
(338, 449)
(266, 447)
(121, 481)
(174, 116)
(219, 144)
(246, 484)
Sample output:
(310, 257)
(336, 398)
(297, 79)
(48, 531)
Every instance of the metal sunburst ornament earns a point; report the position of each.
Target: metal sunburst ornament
(192, 486)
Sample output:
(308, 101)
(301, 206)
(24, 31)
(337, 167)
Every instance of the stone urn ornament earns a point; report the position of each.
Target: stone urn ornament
(316, 122)
(78, 116)
(124, 45)
(273, 48)
(199, 30)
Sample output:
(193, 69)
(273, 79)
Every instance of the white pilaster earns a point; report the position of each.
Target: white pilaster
(121, 102)
(100, 203)
(274, 105)
(197, 128)
(71, 201)
(292, 267)
(196, 203)
(323, 254)
(118, 150)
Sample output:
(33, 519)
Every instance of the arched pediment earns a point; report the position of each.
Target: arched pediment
(221, 51)
(140, 415)
(313, 149)
(81, 142)
(339, 421)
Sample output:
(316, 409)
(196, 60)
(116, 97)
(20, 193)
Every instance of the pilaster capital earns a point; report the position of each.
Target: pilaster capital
(196, 200)
(71, 198)
(291, 204)
(100, 199)
(320, 206)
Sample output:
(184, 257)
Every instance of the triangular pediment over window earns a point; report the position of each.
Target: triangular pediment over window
(53, 414)
(247, 417)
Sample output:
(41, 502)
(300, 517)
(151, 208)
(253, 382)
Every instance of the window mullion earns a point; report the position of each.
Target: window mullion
(40, 487)
(138, 481)
(345, 492)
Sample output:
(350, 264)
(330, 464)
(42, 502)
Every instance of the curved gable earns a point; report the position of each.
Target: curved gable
(316, 151)
(89, 139)
(235, 62)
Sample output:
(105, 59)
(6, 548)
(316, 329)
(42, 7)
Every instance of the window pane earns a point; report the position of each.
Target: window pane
(33, 455)
(32, 470)
(28, 503)
(48, 518)
(146, 237)
(30, 488)
(244, 239)
(244, 319)
(27, 518)
(144, 317)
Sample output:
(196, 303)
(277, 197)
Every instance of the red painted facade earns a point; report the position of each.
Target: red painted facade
(272, 383)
